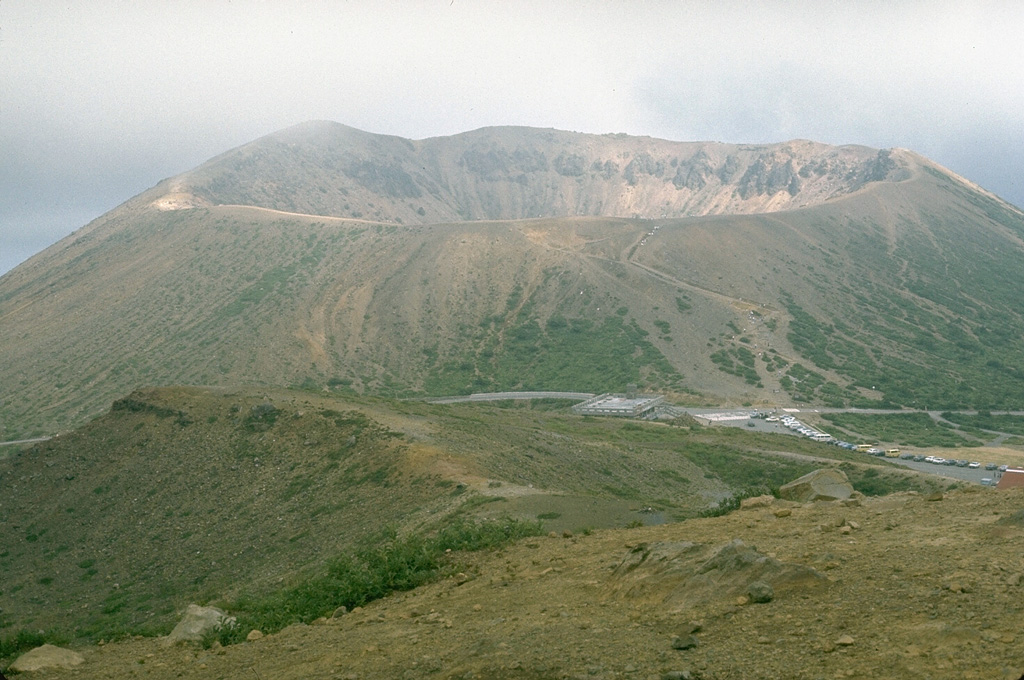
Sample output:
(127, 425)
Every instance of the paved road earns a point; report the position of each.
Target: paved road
(26, 441)
(501, 396)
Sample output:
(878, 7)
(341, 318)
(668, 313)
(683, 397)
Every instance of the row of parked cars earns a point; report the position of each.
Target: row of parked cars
(960, 462)
(795, 425)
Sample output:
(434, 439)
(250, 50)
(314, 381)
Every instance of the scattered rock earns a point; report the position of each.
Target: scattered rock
(935, 496)
(827, 484)
(47, 656)
(1016, 519)
(684, 642)
(757, 502)
(760, 592)
(339, 612)
(845, 640)
(197, 622)
(263, 410)
(254, 635)
(678, 675)
(691, 628)
(783, 512)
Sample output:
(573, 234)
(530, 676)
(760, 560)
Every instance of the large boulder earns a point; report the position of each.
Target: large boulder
(828, 484)
(47, 656)
(197, 622)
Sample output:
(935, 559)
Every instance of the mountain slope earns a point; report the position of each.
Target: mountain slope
(902, 289)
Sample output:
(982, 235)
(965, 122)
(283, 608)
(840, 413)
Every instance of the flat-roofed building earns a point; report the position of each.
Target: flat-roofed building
(631, 406)
(1011, 479)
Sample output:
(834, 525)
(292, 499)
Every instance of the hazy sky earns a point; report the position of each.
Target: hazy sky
(101, 99)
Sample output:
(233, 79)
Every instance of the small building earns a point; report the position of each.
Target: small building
(624, 406)
(1011, 479)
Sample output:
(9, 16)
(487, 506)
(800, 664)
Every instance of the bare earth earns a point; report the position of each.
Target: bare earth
(895, 587)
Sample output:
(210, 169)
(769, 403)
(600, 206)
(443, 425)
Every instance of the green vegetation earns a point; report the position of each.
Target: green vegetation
(384, 565)
(911, 429)
(23, 640)
(740, 469)
(985, 420)
(738, 361)
(732, 503)
(518, 352)
(872, 481)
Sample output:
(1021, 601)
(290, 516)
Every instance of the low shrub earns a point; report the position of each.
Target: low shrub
(383, 566)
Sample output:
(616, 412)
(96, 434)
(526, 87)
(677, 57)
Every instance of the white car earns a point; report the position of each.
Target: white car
(974, 465)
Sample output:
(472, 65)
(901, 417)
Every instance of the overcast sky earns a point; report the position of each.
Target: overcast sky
(101, 99)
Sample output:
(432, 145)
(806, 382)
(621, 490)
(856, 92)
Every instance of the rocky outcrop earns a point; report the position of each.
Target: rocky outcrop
(827, 484)
(684, 575)
(45, 657)
(197, 623)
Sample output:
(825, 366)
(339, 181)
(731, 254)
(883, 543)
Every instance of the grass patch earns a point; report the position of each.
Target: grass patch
(24, 640)
(727, 505)
(909, 429)
(385, 565)
(984, 420)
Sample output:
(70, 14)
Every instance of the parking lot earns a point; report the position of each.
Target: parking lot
(742, 418)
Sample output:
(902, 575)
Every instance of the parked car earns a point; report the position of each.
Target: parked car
(974, 465)
(990, 466)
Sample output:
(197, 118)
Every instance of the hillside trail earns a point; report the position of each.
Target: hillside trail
(629, 256)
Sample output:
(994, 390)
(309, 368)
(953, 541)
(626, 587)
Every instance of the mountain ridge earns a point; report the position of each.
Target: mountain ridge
(520, 172)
